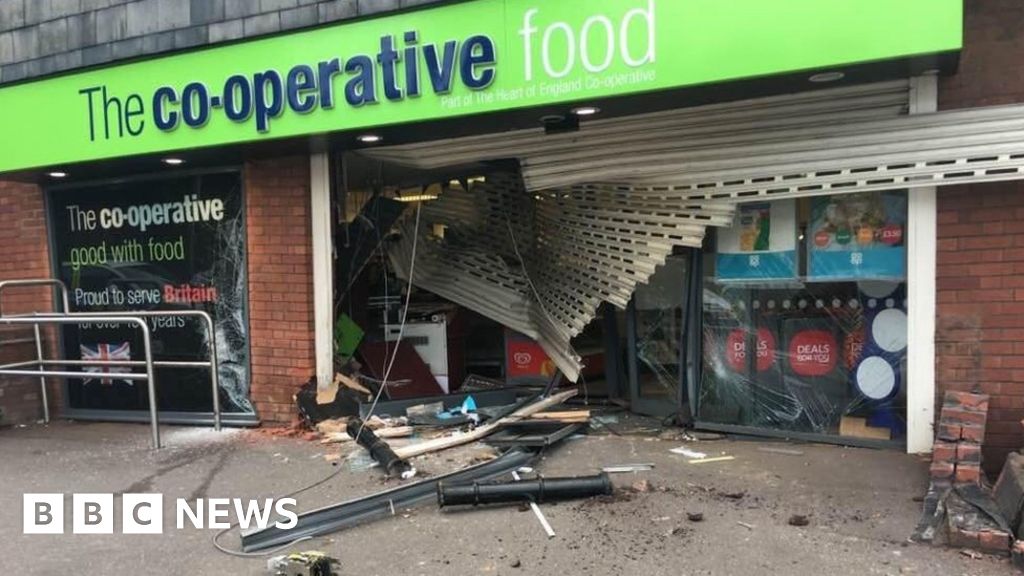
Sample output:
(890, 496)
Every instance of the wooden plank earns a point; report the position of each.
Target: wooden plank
(485, 430)
(394, 432)
(565, 415)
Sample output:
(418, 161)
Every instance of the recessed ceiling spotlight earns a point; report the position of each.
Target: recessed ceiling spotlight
(173, 161)
(57, 174)
(827, 77)
(586, 110)
(369, 138)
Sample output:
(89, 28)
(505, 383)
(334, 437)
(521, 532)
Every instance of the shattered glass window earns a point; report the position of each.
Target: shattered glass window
(156, 244)
(825, 350)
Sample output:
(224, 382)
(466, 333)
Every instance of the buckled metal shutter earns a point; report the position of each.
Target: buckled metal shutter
(594, 213)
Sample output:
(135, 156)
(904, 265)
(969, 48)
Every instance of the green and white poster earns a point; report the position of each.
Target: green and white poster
(761, 243)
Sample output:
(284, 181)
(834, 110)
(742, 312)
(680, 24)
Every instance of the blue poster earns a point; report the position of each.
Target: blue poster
(761, 243)
(857, 236)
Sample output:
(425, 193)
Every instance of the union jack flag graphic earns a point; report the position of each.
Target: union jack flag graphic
(121, 351)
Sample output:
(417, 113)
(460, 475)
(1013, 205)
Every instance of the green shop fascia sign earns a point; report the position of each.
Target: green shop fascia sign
(466, 58)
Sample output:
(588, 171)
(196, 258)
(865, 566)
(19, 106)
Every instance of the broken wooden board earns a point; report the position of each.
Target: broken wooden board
(485, 430)
(566, 415)
(393, 432)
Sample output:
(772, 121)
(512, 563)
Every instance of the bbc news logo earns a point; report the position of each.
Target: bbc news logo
(144, 513)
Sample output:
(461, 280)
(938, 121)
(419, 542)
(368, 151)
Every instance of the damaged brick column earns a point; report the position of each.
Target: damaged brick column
(956, 456)
(956, 476)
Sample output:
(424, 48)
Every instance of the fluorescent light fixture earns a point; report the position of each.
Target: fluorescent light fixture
(825, 77)
(417, 198)
(173, 161)
(57, 174)
(586, 110)
(369, 138)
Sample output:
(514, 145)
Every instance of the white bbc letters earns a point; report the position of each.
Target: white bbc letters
(43, 513)
(142, 514)
(92, 514)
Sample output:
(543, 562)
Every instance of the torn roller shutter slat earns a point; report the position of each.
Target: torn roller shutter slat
(579, 252)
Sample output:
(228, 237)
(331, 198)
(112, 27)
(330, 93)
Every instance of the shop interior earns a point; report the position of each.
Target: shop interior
(815, 285)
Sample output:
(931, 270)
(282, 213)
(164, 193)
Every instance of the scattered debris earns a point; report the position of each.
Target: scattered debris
(515, 563)
(564, 416)
(540, 517)
(709, 460)
(385, 433)
(535, 433)
(483, 431)
(799, 520)
(747, 526)
(786, 451)
(641, 486)
(624, 468)
(972, 554)
(382, 504)
(684, 451)
(695, 516)
(310, 563)
(380, 450)
(733, 495)
(706, 436)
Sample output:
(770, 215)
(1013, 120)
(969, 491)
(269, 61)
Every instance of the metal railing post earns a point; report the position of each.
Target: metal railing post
(128, 317)
(154, 417)
(214, 368)
(63, 319)
(42, 379)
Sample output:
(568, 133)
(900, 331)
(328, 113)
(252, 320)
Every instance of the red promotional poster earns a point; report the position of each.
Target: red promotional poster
(813, 353)
(736, 350)
(526, 360)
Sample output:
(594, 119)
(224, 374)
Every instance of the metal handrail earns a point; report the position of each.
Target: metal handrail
(211, 363)
(128, 317)
(149, 376)
(37, 282)
(37, 336)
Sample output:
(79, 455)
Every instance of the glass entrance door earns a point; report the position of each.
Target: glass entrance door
(656, 333)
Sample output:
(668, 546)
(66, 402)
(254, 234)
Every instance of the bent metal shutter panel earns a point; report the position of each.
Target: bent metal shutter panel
(597, 211)
(543, 263)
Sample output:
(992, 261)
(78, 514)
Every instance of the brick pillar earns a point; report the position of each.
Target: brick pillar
(280, 283)
(25, 254)
(980, 306)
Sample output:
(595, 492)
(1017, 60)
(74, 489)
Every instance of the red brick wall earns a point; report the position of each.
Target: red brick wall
(980, 324)
(280, 283)
(24, 255)
(980, 316)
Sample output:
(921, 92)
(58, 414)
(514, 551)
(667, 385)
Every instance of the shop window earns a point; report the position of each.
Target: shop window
(817, 289)
(155, 244)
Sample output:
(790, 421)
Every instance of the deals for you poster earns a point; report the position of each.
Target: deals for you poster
(166, 244)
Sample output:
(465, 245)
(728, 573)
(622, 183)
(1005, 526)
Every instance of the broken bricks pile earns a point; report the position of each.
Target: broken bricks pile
(956, 456)
(956, 493)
